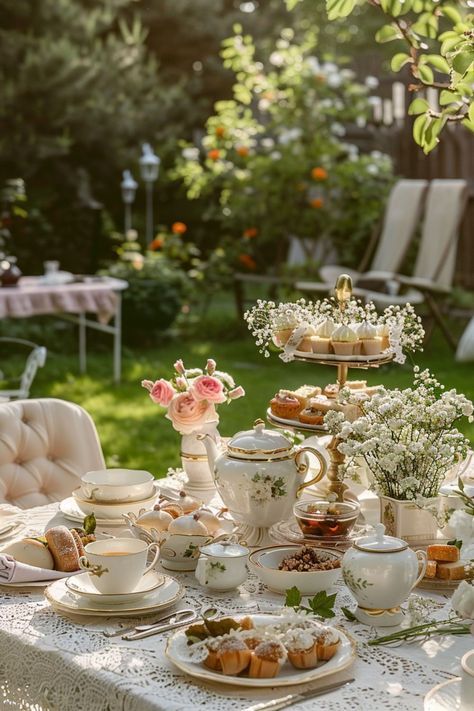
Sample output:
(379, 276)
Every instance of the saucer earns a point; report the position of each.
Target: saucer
(81, 585)
(445, 696)
(63, 600)
(112, 510)
(289, 531)
(72, 512)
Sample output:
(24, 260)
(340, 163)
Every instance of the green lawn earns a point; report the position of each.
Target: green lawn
(134, 432)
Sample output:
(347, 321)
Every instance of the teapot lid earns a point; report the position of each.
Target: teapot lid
(226, 549)
(259, 443)
(379, 543)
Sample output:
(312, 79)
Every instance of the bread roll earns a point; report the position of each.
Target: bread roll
(451, 571)
(30, 552)
(63, 548)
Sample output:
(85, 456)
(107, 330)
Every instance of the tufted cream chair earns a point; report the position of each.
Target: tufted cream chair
(46, 445)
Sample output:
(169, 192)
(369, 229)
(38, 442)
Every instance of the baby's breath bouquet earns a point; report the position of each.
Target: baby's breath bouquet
(407, 438)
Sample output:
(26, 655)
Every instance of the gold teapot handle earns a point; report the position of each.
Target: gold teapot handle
(303, 468)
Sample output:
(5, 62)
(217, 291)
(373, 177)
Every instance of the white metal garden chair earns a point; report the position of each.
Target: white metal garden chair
(35, 359)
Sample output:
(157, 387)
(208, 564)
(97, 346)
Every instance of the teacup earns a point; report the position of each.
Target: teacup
(117, 565)
(467, 681)
(117, 485)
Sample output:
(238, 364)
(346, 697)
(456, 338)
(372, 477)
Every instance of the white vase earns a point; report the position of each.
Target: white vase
(195, 462)
(403, 519)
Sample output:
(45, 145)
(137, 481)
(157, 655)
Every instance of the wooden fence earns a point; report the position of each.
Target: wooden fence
(391, 132)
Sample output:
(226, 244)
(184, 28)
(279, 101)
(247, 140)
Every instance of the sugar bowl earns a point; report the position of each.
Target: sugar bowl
(380, 571)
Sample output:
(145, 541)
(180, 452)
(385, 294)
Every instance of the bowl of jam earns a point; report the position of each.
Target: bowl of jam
(326, 519)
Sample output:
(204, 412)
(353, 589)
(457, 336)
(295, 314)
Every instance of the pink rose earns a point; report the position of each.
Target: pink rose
(206, 387)
(210, 366)
(179, 367)
(236, 392)
(188, 414)
(161, 392)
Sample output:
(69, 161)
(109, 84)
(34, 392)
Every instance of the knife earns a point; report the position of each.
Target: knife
(291, 699)
(179, 619)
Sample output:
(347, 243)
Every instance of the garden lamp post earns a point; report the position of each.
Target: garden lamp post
(149, 168)
(129, 187)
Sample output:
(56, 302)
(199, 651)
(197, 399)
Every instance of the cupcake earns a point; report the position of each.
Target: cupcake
(212, 660)
(357, 344)
(302, 648)
(331, 390)
(306, 345)
(234, 655)
(343, 340)
(371, 343)
(281, 337)
(285, 405)
(383, 332)
(267, 658)
(327, 642)
(321, 342)
(312, 414)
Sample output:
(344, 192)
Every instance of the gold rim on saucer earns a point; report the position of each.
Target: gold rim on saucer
(95, 594)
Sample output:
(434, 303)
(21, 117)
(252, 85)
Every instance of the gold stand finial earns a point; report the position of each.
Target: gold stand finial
(343, 290)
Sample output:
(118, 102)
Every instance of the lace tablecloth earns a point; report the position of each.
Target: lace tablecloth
(48, 661)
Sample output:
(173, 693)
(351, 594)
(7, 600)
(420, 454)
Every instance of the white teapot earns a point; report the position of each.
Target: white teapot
(222, 566)
(259, 476)
(380, 571)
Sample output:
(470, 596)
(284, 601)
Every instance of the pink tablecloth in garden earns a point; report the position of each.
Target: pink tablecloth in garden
(33, 297)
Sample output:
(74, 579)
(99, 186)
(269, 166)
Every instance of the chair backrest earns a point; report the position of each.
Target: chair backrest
(36, 359)
(402, 214)
(445, 205)
(46, 445)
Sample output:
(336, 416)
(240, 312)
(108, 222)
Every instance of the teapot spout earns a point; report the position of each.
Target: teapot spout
(212, 449)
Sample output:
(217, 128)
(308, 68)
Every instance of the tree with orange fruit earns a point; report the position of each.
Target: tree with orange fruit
(275, 162)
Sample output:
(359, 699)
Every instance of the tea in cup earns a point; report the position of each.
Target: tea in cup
(117, 565)
(467, 681)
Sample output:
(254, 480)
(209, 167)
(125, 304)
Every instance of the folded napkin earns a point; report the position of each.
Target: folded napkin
(11, 571)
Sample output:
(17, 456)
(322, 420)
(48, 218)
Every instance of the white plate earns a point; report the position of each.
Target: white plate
(72, 512)
(13, 531)
(36, 584)
(296, 424)
(288, 674)
(81, 585)
(112, 511)
(445, 696)
(56, 278)
(64, 600)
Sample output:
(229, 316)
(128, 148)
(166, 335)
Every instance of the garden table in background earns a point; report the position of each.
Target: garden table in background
(48, 661)
(71, 302)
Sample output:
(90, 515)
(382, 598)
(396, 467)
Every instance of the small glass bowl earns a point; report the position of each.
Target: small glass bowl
(326, 519)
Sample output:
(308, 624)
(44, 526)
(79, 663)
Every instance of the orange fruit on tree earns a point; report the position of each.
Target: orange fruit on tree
(214, 154)
(178, 228)
(250, 232)
(317, 203)
(319, 173)
(243, 151)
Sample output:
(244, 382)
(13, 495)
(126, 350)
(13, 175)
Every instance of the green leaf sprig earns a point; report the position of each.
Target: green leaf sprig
(321, 605)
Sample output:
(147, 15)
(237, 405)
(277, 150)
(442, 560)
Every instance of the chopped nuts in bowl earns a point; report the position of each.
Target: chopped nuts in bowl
(310, 569)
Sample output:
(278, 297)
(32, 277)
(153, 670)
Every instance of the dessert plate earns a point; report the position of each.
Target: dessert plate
(445, 696)
(62, 599)
(72, 512)
(81, 585)
(358, 361)
(295, 424)
(345, 655)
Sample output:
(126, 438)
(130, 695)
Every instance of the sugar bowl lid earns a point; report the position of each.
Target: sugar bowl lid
(259, 443)
(226, 549)
(378, 542)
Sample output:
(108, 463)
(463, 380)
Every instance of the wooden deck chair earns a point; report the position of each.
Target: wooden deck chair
(401, 218)
(435, 263)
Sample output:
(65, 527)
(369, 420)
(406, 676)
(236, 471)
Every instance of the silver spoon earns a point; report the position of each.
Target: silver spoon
(179, 619)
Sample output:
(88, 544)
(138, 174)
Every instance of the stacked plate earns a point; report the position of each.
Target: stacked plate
(76, 595)
(10, 525)
(109, 494)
